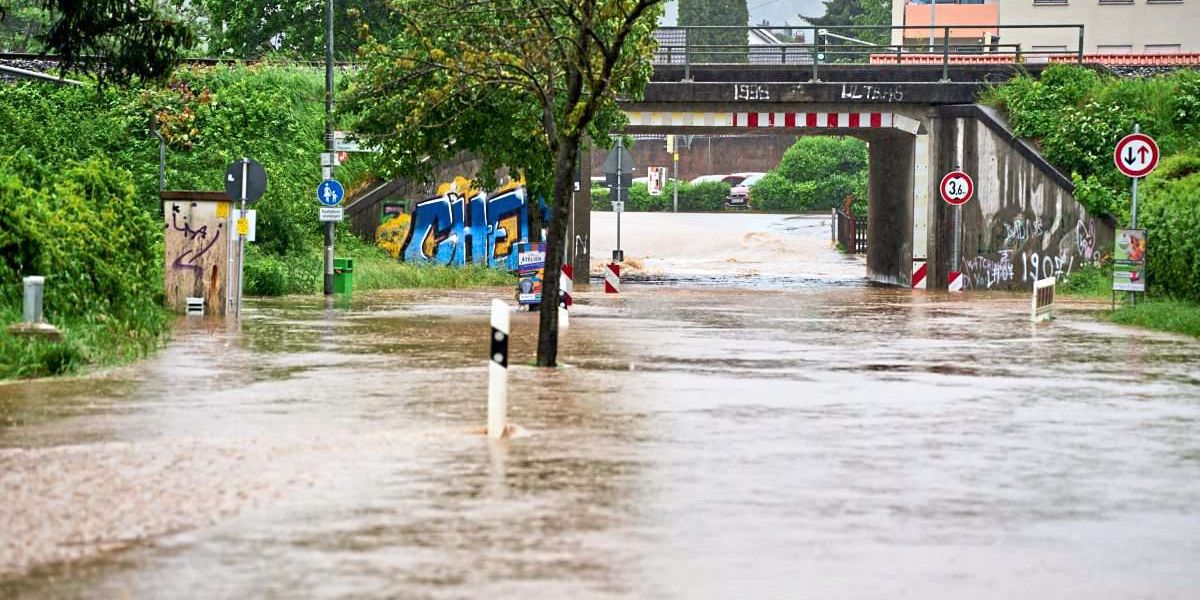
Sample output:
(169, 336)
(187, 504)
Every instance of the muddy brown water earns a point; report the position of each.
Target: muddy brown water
(714, 433)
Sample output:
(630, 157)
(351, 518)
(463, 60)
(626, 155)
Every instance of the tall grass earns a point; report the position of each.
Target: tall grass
(1177, 316)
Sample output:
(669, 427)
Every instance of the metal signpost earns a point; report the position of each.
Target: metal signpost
(956, 188)
(675, 177)
(1136, 155)
(245, 181)
(618, 174)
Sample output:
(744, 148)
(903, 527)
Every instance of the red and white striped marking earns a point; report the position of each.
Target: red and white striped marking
(567, 284)
(756, 120)
(918, 275)
(612, 278)
(956, 281)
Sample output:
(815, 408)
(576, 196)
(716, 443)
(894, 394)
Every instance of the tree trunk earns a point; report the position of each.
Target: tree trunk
(564, 175)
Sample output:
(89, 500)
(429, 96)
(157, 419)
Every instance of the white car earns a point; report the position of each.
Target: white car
(707, 179)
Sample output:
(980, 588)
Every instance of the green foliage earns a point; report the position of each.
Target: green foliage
(700, 197)
(863, 14)
(1093, 281)
(816, 172)
(1170, 211)
(79, 226)
(294, 28)
(22, 25)
(1077, 115)
(115, 40)
(732, 13)
(1177, 316)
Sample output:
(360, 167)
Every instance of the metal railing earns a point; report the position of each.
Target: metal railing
(851, 231)
(815, 47)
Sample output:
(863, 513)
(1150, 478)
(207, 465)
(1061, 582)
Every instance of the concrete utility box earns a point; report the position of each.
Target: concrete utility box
(201, 258)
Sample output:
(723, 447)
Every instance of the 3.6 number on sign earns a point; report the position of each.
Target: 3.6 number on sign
(957, 187)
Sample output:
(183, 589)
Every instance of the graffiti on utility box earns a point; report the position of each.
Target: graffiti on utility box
(460, 225)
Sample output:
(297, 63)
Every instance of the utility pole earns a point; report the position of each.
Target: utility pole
(327, 171)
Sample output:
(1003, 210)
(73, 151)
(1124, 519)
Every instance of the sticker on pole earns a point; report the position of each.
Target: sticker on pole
(956, 188)
(1136, 155)
(330, 192)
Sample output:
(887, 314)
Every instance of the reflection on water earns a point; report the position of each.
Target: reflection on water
(703, 441)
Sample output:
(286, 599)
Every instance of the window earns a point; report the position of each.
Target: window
(1049, 2)
(1116, 1)
(1115, 49)
(1163, 48)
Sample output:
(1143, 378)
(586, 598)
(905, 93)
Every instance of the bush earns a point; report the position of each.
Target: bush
(1169, 211)
(701, 197)
(80, 226)
(815, 173)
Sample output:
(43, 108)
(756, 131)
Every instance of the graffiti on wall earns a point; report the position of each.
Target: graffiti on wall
(460, 225)
(1030, 251)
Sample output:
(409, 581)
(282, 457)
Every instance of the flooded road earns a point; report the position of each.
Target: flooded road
(724, 429)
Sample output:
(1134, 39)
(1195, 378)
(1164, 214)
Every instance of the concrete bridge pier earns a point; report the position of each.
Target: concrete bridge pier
(890, 213)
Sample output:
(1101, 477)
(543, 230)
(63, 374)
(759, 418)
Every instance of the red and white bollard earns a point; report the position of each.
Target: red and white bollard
(612, 279)
(566, 285)
(955, 282)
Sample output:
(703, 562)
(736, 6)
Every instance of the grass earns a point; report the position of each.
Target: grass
(1176, 316)
(377, 271)
(95, 342)
(1089, 281)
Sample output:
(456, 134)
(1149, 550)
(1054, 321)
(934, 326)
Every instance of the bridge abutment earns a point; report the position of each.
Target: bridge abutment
(890, 216)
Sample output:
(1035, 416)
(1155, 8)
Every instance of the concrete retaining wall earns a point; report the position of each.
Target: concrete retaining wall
(1023, 223)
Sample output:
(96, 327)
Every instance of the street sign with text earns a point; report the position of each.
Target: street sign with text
(332, 214)
(1136, 155)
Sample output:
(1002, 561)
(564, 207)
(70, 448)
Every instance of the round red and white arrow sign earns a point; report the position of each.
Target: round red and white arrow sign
(1136, 155)
(957, 187)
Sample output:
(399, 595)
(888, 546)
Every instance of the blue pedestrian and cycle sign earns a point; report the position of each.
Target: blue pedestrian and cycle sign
(330, 192)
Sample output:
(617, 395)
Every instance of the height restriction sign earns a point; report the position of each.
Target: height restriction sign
(956, 188)
(1136, 155)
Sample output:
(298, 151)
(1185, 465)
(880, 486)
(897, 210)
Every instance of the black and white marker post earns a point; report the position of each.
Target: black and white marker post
(498, 371)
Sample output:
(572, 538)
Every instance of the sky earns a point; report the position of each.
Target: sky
(775, 11)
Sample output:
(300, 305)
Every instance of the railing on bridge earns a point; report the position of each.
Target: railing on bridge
(815, 47)
(851, 231)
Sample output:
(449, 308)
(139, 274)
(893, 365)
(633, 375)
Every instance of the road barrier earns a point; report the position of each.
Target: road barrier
(1042, 304)
(497, 413)
(565, 288)
(920, 269)
(955, 282)
(612, 278)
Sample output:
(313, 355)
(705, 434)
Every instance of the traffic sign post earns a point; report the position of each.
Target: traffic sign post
(618, 174)
(245, 181)
(956, 188)
(1136, 155)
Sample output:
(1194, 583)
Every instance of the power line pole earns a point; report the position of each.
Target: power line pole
(327, 171)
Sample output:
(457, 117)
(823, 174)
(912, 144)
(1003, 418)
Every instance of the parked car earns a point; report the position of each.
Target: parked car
(739, 195)
(707, 179)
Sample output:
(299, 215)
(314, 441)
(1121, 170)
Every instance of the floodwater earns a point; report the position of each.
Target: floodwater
(724, 429)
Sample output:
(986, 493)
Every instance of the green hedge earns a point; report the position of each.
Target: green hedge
(816, 172)
(700, 197)
(1169, 209)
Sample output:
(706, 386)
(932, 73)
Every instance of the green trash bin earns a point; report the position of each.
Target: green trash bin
(343, 275)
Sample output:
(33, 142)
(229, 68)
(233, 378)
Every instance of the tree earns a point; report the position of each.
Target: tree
(854, 13)
(295, 27)
(116, 40)
(716, 12)
(518, 82)
(22, 23)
